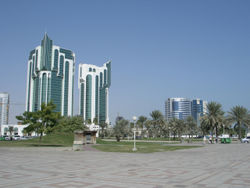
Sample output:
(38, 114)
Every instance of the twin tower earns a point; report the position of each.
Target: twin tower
(50, 77)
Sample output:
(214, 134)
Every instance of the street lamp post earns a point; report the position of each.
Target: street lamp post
(134, 119)
(169, 134)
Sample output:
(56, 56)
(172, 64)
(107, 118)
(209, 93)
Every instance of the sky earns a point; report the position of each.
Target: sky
(158, 48)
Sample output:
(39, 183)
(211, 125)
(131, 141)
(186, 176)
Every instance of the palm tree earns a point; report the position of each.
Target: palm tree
(141, 122)
(191, 126)
(121, 129)
(156, 122)
(11, 129)
(177, 127)
(214, 117)
(103, 125)
(204, 127)
(240, 116)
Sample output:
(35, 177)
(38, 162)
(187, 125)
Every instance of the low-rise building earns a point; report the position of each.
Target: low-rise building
(17, 130)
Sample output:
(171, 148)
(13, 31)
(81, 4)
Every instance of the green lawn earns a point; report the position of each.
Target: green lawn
(142, 147)
(52, 140)
(66, 140)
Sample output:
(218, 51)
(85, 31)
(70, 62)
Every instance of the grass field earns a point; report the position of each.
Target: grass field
(142, 147)
(52, 140)
(66, 140)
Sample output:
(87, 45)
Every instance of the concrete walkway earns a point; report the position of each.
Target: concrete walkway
(212, 166)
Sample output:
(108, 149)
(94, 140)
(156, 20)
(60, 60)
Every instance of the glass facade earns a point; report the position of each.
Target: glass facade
(66, 87)
(50, 77)
(44, 84)
(198, 109)
(81, 99)
(4, 109)
(46, 53)
(179, 108)
(97, 100)
(96, 95)
(88, 96)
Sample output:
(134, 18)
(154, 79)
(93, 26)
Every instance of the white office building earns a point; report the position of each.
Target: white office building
(50, 77)
(4, 109)
(93, 84)
(179, 108)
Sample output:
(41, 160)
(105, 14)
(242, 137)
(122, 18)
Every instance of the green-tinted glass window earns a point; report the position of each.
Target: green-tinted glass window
(61, 65)
(101, 78)
(105, 77)
(55, 60)
(81, 99)
(36, 68)
(44, 83)
(88, 96)
(96, 95)
(56, 92)
(66, 88)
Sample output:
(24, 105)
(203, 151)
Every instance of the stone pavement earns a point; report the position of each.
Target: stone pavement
(212, 166)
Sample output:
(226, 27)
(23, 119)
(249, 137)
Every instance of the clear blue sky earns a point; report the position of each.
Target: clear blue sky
(159, 48)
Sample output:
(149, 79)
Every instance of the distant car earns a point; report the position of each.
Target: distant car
(6, 137)
(245, 140)
(25, 137)
(16, 137)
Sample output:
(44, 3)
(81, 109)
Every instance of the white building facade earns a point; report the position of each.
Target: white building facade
(179, 108)
(50, 77)
(17, 130)
(93, 84)
(4, 109)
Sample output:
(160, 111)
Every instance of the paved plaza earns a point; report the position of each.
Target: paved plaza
(212, 166)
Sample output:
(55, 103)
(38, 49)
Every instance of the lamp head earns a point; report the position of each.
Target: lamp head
(134, 118)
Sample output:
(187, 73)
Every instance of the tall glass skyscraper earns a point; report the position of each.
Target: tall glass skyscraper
(199, 108)
(4, 108)
(50, 77)
(179, 108)
(93, 84)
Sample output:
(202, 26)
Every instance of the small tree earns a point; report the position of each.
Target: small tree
(41, 121)
(141, 123)
(70, 124)
(173, 125)
(121, 129)
(191, 126)
(157, 122)
(88, 121)
(103, 125)
(181, 128)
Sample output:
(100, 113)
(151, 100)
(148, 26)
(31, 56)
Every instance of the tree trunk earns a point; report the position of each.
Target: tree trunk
(239, 124)
(40, 139)
(189, 138)
(117, 138)
(216, 130)
(102, 132)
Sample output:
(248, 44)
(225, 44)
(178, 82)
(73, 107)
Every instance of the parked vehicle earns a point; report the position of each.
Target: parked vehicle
(2, 138)
(245, 140)
(16, 137)
(6, 137)
(25, 137)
